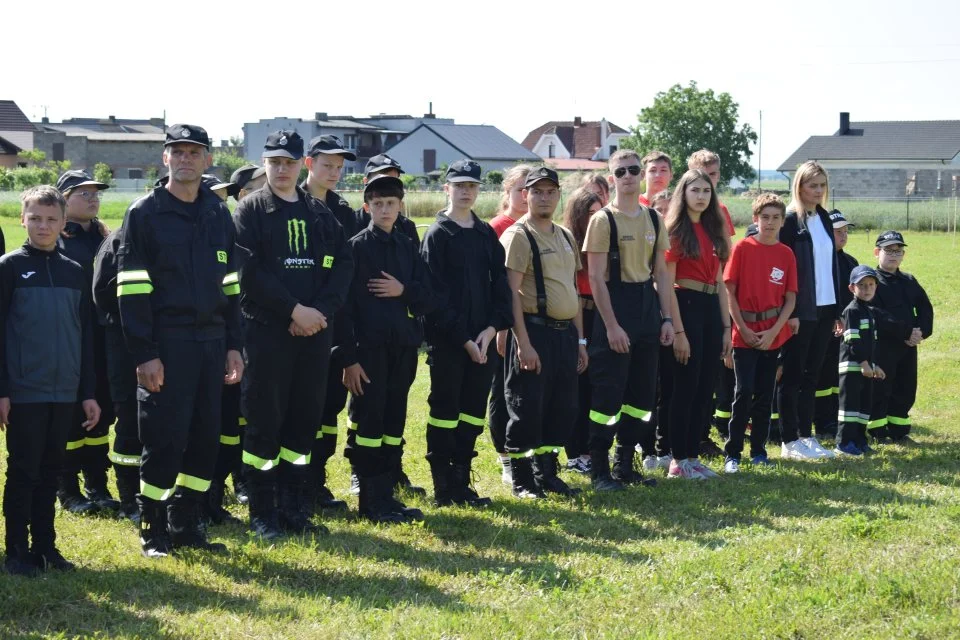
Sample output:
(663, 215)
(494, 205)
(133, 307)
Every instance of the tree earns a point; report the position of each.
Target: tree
(103, 173)
(495, 177)
(228, 161)
(32, 156)
(685, 119)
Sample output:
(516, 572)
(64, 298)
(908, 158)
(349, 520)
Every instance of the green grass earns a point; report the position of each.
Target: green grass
(845, 549)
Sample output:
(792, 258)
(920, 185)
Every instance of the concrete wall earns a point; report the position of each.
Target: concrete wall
(83, 154)
(891, 181)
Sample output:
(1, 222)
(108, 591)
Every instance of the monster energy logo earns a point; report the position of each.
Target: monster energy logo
(297, 233)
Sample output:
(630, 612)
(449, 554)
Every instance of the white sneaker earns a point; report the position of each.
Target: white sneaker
(797, 450)
(690, 471)
(731, 466)
(506, 473)
(664, 462)
(638, 448)
(650, 464)
(814, 445)
(702, 469)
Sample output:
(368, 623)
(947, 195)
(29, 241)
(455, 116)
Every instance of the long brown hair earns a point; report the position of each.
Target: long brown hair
(680, 227)
(576, 214)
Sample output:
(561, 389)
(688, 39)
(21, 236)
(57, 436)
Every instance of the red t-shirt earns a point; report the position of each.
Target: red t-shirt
(702, 269)
(501, 223)
(643, 200)
(583, 282)
(729, 220)
(763, 274)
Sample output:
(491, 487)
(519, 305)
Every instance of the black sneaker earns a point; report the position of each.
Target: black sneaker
(101, 497)
(21, 564)
(52, 559)
(77, 504)
(606, 483)
(325, 500)
(404, 484)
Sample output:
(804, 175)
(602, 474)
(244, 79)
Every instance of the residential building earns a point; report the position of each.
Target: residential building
(425, 149)
(575, 145)
(16, 134)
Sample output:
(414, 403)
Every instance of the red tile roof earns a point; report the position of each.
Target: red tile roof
(581, 142)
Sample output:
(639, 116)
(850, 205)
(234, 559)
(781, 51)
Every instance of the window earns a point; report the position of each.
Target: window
(58, 152)
(552, 151)
(429, 160)
(350, 141)
(135, 174)
(613, 149)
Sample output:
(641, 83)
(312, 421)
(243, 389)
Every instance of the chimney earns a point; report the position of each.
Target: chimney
(844, 123)
(112, 119)
(320, 115)
(429, 115)
(44, 120)
(578, 121)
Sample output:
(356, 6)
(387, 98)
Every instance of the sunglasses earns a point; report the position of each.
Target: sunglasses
(634, 170)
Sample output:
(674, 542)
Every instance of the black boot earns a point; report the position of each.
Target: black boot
(20, 562)
(292, 508)
(460, 488)
(600, 476)
(95, 488)
(322, 496)
(440, 473)
(373, 507)
(184, 523)
(400, 481)
(392, 503)
(51, 558)
(70, 497)
(624, 470)
(128, 481)
(545, 467)
(239, 487)
(524, 485)
(154, 539)
(262, 491)
(213, 508)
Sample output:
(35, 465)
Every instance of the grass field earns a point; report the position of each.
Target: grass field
(844, 549)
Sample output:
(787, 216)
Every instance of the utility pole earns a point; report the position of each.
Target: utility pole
(760, 154)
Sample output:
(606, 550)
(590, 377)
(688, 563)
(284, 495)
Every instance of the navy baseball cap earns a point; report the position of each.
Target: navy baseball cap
(245, 174)
(76, 178)
(330, 145)
(381, 162)
(839, 221)
(285, 143)
(189, 133)
(464, 171)
(888, 238)
(862, 271)
(382, 181)
(543, 173)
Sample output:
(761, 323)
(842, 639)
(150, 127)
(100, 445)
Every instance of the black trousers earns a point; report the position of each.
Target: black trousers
(803, 356)
(282, 397)
(542, 406)
(756, 377)
(723, 402)
(230, 432)
(856, 398)
(180, 424)
(335, 401)
(122, 378)
(664, 396)
(377, 417)
(457, 402)
(36, 445)
(693, 383)
(624, 385)
(894, 397)
(579, 443)
(497, 415)
(827, 400)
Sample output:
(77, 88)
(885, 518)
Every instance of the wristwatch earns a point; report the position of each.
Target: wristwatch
(666, 319)
(582, 342)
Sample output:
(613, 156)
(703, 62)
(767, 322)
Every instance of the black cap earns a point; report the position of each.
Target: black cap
(381, 162)
(77, 178)
(464, 171)
(862, 271)
(543, 173)
(839, 221)
(214, 183)
(382, 181)
(888, 238)
(245, 174)
(285, 143)
(189, 133)
(329, 145)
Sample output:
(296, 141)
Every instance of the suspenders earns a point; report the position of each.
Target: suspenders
(538, 271)
(614, 252)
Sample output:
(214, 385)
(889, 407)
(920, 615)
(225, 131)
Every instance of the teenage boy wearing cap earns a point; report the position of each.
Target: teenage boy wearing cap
(87, 451)
(625, 245)
(378, 334)
(908, 321)
(179, 308)
(295, 270)
(324, 161)
(548, 350)
(466, 264)
(858, 367)
(384, 165)
(828, 390)
(248, 179)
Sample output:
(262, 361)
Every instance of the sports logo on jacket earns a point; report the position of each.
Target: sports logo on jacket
(776, 275)
(297, 243)
(27, 274)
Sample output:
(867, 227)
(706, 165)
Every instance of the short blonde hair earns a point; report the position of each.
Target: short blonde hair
(765, 200)
(44, 195)
(702, 158)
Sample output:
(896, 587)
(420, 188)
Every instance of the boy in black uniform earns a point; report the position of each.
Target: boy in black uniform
(466, 264)
(828, 386)
(46, 364)
(908, 322)
(384, 165)
(378, 335)
(179, 308)
(324, 161)
(295, 270)
(544, 359)
(858, 364)
(87, 451)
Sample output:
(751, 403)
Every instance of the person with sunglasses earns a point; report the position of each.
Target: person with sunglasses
(625, 248)
(87, 451)
(906, 321)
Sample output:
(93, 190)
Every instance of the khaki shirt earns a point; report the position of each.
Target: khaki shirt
(560, 264)
(637, 238)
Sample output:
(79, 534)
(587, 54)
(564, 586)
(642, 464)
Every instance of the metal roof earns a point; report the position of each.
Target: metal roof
(481, 141)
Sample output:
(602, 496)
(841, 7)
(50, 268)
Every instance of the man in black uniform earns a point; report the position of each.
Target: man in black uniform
(466, 263)
(295, 270)
(179, 307)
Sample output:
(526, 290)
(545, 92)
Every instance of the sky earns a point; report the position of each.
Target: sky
(514, 65)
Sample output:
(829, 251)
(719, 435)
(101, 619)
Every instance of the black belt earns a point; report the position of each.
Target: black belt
(751, 316)
(549, 323)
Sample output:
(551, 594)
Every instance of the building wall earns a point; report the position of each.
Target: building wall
(890, 180)
(255, 135)
(409, 151)
(83, 154)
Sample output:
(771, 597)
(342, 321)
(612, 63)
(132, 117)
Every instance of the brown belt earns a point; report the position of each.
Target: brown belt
(751, 316)
(588, 303)
(696, 285)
